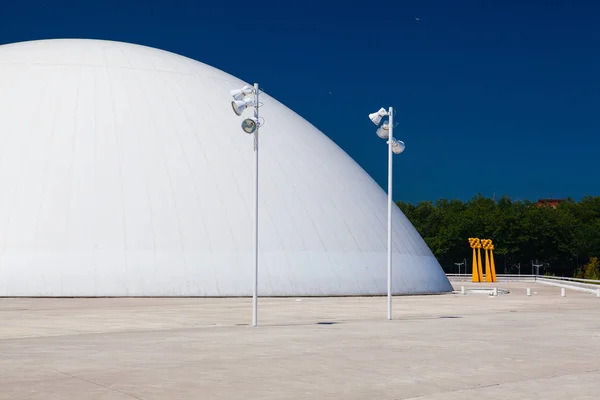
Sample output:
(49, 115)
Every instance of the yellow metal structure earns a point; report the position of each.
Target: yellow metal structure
(485, 243)
(490, 268)
(475, 244)
(479, 263)
(493, 269)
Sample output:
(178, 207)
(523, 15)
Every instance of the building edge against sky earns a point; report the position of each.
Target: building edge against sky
(123, 172)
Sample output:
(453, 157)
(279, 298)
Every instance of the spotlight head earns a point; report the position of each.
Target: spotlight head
(239, 94)
(376, 116)
(398, 146)
(249, 125)
(239, 106)
(383, 131)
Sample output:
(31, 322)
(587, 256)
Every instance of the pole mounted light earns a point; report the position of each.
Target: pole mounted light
(240, 105)
(386, 131)
(247, 97)
(464, 262)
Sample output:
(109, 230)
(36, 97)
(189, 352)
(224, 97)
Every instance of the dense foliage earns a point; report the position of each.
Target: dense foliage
(563, 239)
(590, 270)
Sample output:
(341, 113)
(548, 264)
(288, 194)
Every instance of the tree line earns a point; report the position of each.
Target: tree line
(563, 241)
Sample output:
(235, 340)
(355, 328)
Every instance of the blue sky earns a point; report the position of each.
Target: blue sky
(490, 96)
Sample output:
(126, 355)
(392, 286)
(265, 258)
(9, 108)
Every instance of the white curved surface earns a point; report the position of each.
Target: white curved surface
(124, 172)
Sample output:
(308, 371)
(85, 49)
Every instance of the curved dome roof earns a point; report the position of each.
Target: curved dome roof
(124, 172)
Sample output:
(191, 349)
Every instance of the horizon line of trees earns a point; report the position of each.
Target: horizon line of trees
(563, 239)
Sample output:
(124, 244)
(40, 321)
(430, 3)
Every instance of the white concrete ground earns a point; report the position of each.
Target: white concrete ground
(438, 347)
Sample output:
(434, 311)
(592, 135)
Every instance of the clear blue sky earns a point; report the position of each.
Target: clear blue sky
(490, 95)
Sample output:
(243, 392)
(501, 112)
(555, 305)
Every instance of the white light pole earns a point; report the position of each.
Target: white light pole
(459, 264)
(241, 101)
(386, 131)
(537, 267)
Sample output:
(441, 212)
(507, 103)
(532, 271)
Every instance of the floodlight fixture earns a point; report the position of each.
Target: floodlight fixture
(376, 116)
(239, 106)
(398, 146)
(239, 94)
(384, 131)
(249, 125)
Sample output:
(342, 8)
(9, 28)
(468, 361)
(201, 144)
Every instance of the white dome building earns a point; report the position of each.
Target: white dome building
(124, 172)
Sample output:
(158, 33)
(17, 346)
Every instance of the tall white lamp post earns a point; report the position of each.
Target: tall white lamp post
(386, 131)
(243, 98)
(464, 262)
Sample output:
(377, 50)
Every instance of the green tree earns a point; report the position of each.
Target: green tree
(521, 231)
(591, 270)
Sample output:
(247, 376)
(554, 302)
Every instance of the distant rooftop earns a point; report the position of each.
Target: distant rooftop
(549, 202)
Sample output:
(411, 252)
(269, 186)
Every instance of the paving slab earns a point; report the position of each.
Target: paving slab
(437, 347)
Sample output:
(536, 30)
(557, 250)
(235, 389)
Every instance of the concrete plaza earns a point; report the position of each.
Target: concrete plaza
(440, 347)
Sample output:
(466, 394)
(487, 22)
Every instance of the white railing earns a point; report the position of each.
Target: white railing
(500, 277)
(534, 277)
(567, 284)
(585, 285)
(578, 280)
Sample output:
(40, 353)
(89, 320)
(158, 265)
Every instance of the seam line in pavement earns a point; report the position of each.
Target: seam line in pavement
(502, 384)
(98, 384)
(85, 380)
